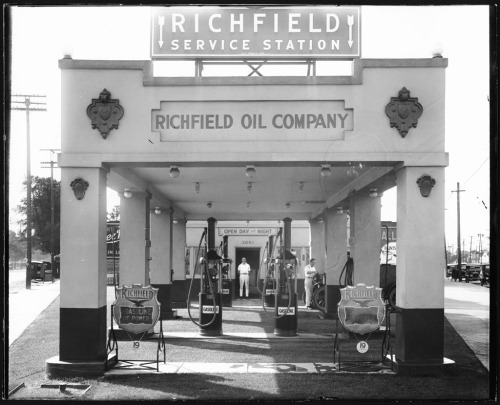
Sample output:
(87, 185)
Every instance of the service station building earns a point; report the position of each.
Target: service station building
(252, 152)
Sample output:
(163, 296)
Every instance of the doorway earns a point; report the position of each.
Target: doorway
(253, 259)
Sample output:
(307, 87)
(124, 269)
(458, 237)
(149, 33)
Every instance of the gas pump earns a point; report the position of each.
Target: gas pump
(286, 294)
(210, 315)
(227, 298)
(270, 279)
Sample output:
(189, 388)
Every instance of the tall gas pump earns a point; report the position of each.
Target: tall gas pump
(270, 280)
(286, 295)
(227, 298)
(211, 285)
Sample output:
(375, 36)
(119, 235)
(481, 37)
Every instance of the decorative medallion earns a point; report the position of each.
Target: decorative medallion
(361, 309)
(404, 111)
(426, 183)
(105, 112)
(136, 308)
(79, 187)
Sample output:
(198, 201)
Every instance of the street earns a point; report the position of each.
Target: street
(467, 308)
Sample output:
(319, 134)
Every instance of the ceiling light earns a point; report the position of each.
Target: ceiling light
(174, 171)
(250, 172)
(301, 187)
(157, 210)
(249, 187)
(175, 220)
(197, 187)
(127, 193)
(373, 193)
(209, 204)
(325, 170)
(320, 220)
(340, 210)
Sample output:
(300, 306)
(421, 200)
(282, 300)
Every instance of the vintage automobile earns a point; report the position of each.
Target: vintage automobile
(484, 274)
(38, 269)
(472, 272)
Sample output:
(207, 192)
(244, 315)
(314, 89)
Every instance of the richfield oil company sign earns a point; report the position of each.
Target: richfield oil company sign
(258, 32)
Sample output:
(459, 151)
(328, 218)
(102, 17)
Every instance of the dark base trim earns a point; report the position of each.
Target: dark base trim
(446, 366)
(332, 299)
(285, 333)
(55, 368)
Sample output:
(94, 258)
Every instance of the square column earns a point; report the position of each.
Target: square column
(318, 243)
(336, 257)
(83, 327)
(179, 288)
(134, 239)
(160, 264)
(365, 238)
(420, 267)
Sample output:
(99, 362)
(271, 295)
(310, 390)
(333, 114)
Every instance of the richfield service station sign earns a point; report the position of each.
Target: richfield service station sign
(255, 32)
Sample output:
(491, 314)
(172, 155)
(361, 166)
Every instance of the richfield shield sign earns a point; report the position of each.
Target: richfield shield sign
(136, 309)
(361, 309)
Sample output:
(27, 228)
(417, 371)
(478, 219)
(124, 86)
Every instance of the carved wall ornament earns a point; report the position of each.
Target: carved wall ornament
(104, 113)
(404, 111)
(426, 183)
(79, 187)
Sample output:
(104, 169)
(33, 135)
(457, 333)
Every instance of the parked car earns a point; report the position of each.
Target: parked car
(484, 274)
(452, 272)
(38, 269)
(472, 272)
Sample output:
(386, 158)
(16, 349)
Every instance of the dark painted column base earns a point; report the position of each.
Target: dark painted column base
(55, 368)
(164, 298)
(446, 366)
(332, 300)
(420, 341)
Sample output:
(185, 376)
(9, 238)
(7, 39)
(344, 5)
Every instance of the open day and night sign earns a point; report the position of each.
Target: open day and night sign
(258, 32)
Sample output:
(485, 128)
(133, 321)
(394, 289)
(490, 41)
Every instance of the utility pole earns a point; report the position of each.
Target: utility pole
(459, 261)
(52, 226)
(480, 248)
(24, 102)
(470, 250)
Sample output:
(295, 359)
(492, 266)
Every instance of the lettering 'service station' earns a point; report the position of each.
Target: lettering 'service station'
(257, 153)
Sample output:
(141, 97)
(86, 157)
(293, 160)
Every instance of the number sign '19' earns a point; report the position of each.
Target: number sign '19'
(229, 32)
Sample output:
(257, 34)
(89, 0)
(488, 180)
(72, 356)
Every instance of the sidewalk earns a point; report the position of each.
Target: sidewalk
(26, 305)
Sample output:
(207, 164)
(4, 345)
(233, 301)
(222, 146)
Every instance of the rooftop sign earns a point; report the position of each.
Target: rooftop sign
(251, 32)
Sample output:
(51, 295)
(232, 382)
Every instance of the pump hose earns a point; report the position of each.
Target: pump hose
(349, 273)
(288, 284)
(211, 292)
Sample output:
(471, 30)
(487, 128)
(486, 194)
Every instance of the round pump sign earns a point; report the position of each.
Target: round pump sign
(136, 308)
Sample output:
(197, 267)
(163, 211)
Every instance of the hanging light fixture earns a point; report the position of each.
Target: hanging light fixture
(209, 204)
(127, 193)
(174, 171)
(175, 221)
(373, 193)
(340, 210)
(250, 172)
(320, 220)
(197, 187)
(157, 210)
(325, 170)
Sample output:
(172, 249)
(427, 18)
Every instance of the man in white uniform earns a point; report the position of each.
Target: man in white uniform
(244, 271)
(309, 272)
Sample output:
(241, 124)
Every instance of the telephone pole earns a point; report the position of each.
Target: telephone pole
(470, 250)
(459, 253)
(52, 226)
(24, 102)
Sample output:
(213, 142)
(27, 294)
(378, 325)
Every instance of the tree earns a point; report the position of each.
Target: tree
(40, 214)
(17, 248)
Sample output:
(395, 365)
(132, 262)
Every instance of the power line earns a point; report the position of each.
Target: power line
(472, 175)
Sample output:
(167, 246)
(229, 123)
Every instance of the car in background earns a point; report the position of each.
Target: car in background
(38, 269)
(472, 271)
(484, 274)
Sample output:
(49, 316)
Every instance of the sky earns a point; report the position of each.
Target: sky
(43, 35)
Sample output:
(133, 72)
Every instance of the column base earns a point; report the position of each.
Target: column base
(55, 368)
(447, 366)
